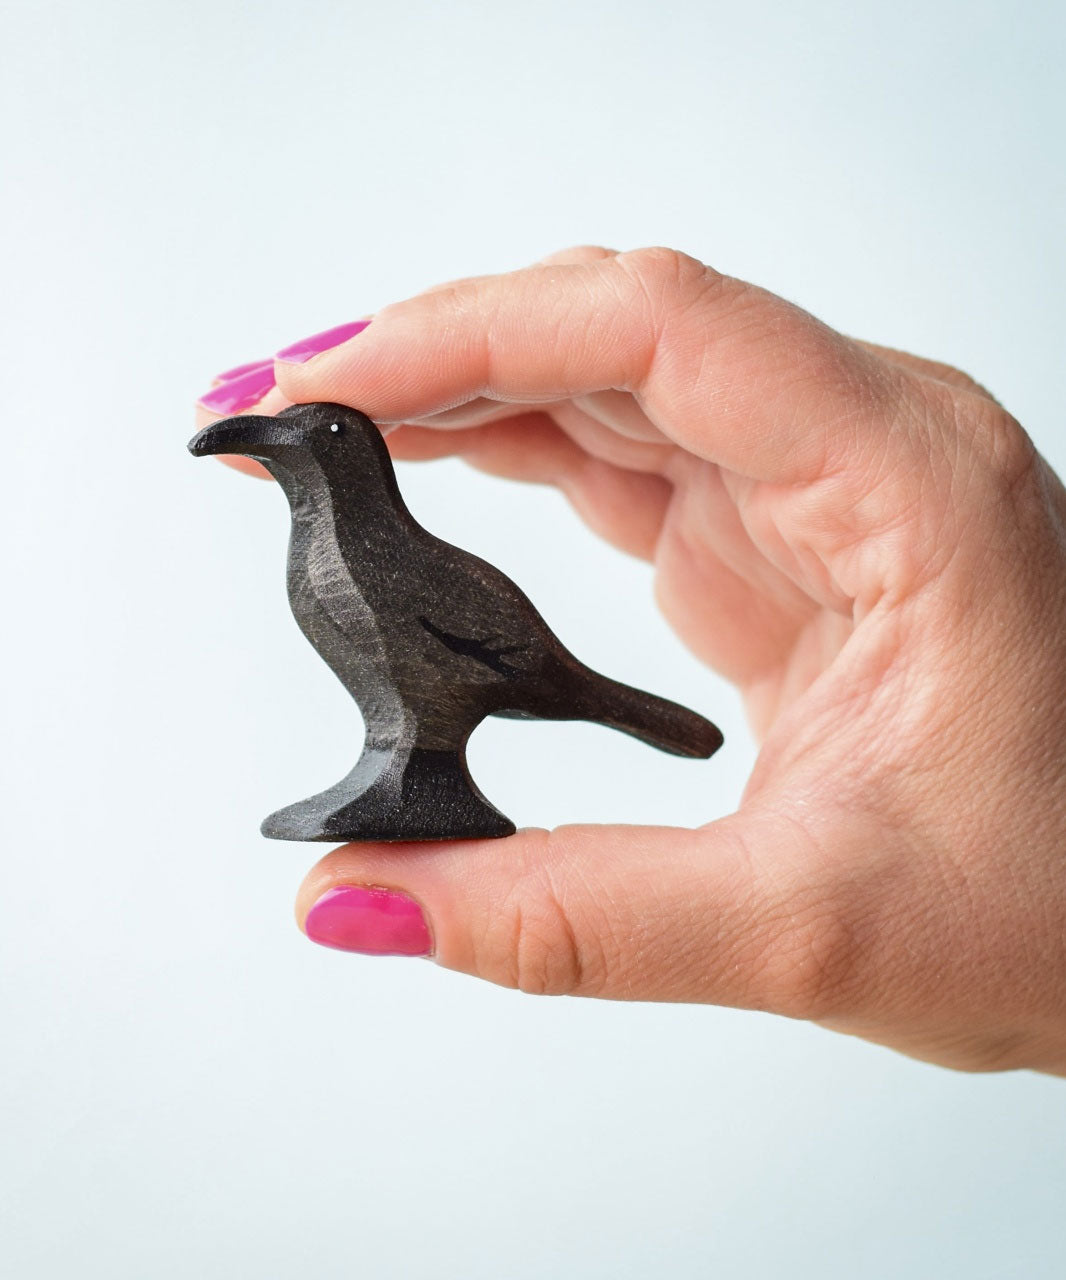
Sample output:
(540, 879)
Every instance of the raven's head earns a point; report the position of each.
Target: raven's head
(301, 432)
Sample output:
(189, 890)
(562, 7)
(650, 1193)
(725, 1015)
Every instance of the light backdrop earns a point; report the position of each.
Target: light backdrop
(187, 1087)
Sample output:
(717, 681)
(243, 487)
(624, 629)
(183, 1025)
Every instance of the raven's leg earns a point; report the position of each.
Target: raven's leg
(410, 792)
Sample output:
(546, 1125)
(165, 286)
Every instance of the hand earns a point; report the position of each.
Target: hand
(869, 546)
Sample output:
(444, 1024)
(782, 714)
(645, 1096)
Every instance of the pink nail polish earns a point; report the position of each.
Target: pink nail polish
(241, 369)
(303, 350)
(375, 922)
(240, 392)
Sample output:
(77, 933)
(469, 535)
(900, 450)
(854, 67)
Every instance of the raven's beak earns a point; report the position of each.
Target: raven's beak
(246, 434)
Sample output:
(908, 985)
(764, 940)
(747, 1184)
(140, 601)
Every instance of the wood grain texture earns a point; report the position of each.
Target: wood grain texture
(427, 638)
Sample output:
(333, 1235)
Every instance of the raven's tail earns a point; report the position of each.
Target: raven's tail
(656, 721)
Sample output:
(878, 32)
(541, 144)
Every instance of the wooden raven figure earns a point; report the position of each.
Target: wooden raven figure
(427, 638)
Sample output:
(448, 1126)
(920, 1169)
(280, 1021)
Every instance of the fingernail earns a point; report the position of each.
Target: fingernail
(303, 350)
(240, 392)
(240, 369)
(375, 922)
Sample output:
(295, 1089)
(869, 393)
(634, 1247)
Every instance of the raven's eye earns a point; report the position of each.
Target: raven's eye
(335, 427)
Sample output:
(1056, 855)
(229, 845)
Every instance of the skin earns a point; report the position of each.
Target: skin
(869, 546)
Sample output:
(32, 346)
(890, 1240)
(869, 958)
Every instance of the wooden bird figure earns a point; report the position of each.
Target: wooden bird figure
(427, 638)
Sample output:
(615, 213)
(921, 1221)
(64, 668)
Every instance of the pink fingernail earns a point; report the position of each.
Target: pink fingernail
(375, 922)
(240, 392)
(241, 369)
(303, 350)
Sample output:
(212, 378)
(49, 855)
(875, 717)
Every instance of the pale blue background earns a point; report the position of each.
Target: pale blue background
(188, 1087)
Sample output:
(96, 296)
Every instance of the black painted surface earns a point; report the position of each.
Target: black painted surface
(427, 638)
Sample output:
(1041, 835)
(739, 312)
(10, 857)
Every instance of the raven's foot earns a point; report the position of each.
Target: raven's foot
(412, 795)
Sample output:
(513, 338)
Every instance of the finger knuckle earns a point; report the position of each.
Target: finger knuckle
(809, 958)
(1010, 453)
(541, 945)
(577, 254)
(549, 957)
(957, 377)
(968, 426)
(661, 270)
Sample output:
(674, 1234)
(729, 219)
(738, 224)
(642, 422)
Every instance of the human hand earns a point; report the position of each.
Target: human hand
(868, 545)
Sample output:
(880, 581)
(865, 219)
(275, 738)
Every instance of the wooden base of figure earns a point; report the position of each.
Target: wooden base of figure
(395, 795)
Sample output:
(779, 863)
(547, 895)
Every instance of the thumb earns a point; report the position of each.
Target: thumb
(642, 913)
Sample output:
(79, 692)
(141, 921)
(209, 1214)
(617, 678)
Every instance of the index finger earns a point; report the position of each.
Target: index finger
(730, 372)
